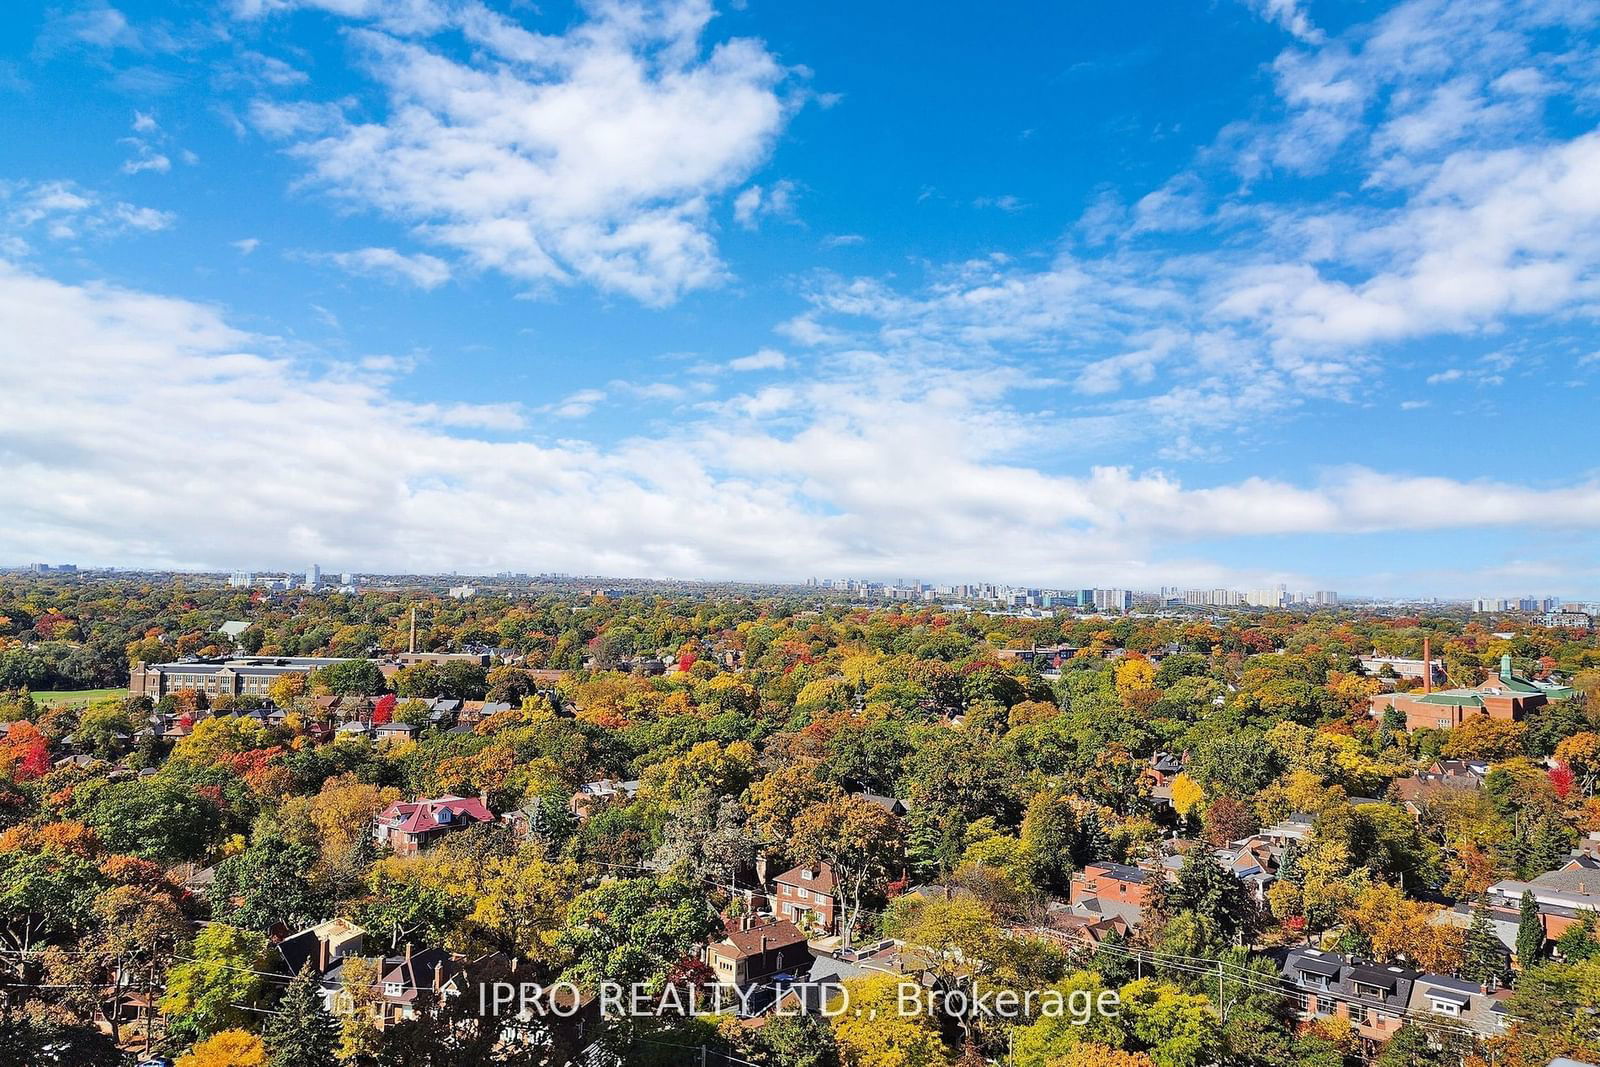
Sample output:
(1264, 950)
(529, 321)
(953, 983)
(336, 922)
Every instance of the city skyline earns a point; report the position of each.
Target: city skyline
(311, 577)
(1220, 295)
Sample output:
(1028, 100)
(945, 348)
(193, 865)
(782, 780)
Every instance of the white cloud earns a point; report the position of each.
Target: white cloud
(1291, 15)
(765, 359)
(589, 156)
(804, 479)
(420, 269)
(144, 123)
(63, 211)
(246, 245)
(577, 405)
(755, 203)
(147, 159)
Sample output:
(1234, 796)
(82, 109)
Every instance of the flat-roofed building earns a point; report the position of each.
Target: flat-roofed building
(251, 676)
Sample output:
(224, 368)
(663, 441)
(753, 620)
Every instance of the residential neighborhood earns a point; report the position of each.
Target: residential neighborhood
(720, 533)
(803, 802)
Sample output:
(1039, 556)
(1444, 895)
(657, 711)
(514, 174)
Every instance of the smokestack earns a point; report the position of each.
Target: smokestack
(1427, 666)
(413, 646)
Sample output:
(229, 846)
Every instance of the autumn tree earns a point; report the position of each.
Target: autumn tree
(230, 1048)
(875, 1032)
(857, 839)
(213, 989)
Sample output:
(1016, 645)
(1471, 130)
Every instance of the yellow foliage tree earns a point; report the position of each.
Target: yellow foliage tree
(1187, 794)
(230, 1048)
(1090, 1054)
(874, 1032)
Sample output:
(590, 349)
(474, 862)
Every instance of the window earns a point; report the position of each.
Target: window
(393, 989)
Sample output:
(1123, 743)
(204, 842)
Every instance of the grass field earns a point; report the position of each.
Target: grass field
(77, 696)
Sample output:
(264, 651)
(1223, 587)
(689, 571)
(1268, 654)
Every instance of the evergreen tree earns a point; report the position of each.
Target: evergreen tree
(1207, 889)
(303, 1033)
(1552, 843)
(1093, 844)
(1530, 932)
(1485, 956)
(1289, 867)
(1111, 962)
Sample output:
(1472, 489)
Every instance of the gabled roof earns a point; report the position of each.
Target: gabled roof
(820, 878)
(778, 933)
(424, 815)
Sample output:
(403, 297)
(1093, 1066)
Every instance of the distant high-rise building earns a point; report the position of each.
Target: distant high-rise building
(313, 576)
(1327, 598)
(241, 579)
(1111, 599)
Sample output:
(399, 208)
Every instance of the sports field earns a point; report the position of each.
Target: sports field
(76, 696)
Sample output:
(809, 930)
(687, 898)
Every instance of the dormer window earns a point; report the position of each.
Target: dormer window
(393, 989)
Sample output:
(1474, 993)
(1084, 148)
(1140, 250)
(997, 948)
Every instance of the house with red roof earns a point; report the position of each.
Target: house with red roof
(753, 948)
(409, 828)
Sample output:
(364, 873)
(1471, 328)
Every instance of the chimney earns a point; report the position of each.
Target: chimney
(763, 944)
(322, 955)
(1427, 666)
(408, 953)
(438, 976)
(1505, 665)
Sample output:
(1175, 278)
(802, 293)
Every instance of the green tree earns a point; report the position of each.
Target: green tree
(303, 1033)
(633, 929)
(1206, 888)
(353, 677)
(213, 988)
(268, 883)
(1530, 932)
(797, 1041)
(1485, 958)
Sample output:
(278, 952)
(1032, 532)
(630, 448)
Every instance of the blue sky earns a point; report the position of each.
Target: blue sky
(1254, 290)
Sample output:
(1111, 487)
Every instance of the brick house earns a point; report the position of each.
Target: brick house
(1372, 998)
(752, 949)
(1105, 890)
(409, 828)
(800, 890)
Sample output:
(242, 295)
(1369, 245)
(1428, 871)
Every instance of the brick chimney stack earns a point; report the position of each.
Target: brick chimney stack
(1427, 666)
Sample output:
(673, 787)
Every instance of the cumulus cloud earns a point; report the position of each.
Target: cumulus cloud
(360, 476)
(588, 156)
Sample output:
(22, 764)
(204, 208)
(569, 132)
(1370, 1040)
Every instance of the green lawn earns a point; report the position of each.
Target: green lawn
(77, 696)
